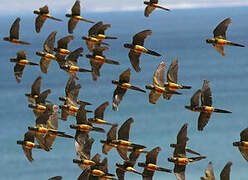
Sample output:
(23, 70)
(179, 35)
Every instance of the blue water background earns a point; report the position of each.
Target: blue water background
(179, 33)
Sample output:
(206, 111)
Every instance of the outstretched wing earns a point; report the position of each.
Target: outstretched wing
(206, 96)
(148, 10)
(194, 101)
(99, 112)
(151, 156)
(203, 120)
(220, 30)
(134, 59)
(75, 10)
(124, 130)
(172, 71)
(14, 30)
(35, 89)
(49, 43)
(125, 76)
(139, 38)
(159, 75)
(63, 42)
(225, 173)
(73, 57)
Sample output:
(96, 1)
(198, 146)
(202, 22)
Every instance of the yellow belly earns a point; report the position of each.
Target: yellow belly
(29, 145)
(99, 121)
(88, 162)
(73, 109)
(245, 144)
(125, 143)
(130, 169)
(15, 41)
(97, 172)
(182, 161)
(101, 36)
(77, 18)
(42, 130)
(85, 127)
(40, 108)
(64, 52)
(92, 39)
(74, 69)
(139, 49)
(125, 85)
(208, 109)
(46, 15)
(151, 167)
(174, 86)
(49, 56)
(23, 62)
(221, 41)
(99, 59)
(159, 90)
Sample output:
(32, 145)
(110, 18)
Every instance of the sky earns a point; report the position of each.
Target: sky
(60, 6)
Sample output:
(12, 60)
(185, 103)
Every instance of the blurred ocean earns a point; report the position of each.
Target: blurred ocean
(179, 33)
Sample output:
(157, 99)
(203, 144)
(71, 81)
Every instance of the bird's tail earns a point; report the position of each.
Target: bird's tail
(137, 89)
(192, 152)
(104, 43)
(97, 129)
(153, 53)
(173, 92)
(186, 87)
(164, 169)
(167, 9)
(24, 43)
(56, 19)
(108, 61)
(33, 64)
(221, 111)
(84, 70)
(65, 135)
(85, 20)
(138, 146)
(197, 158)
(235, 44)
(110, 37)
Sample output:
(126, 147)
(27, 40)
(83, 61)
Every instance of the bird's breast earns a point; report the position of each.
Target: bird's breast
(64, 52)
(97, 172)
(73, 109)
(40, 108)
(92, 39)
(159, 90)
(49, 56)
(85, 127)
(29, 145)
(46, 15)
(174, 86)
(221, 41)
(208, 109)
(74, 69)
(15, 41)
(182, 161)
(101, 36)
(23, 62)
(77, 18)
(151, 167)
(125, 85)
(42, 130)
(125, 143)
(99, 59)
(139, 49)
